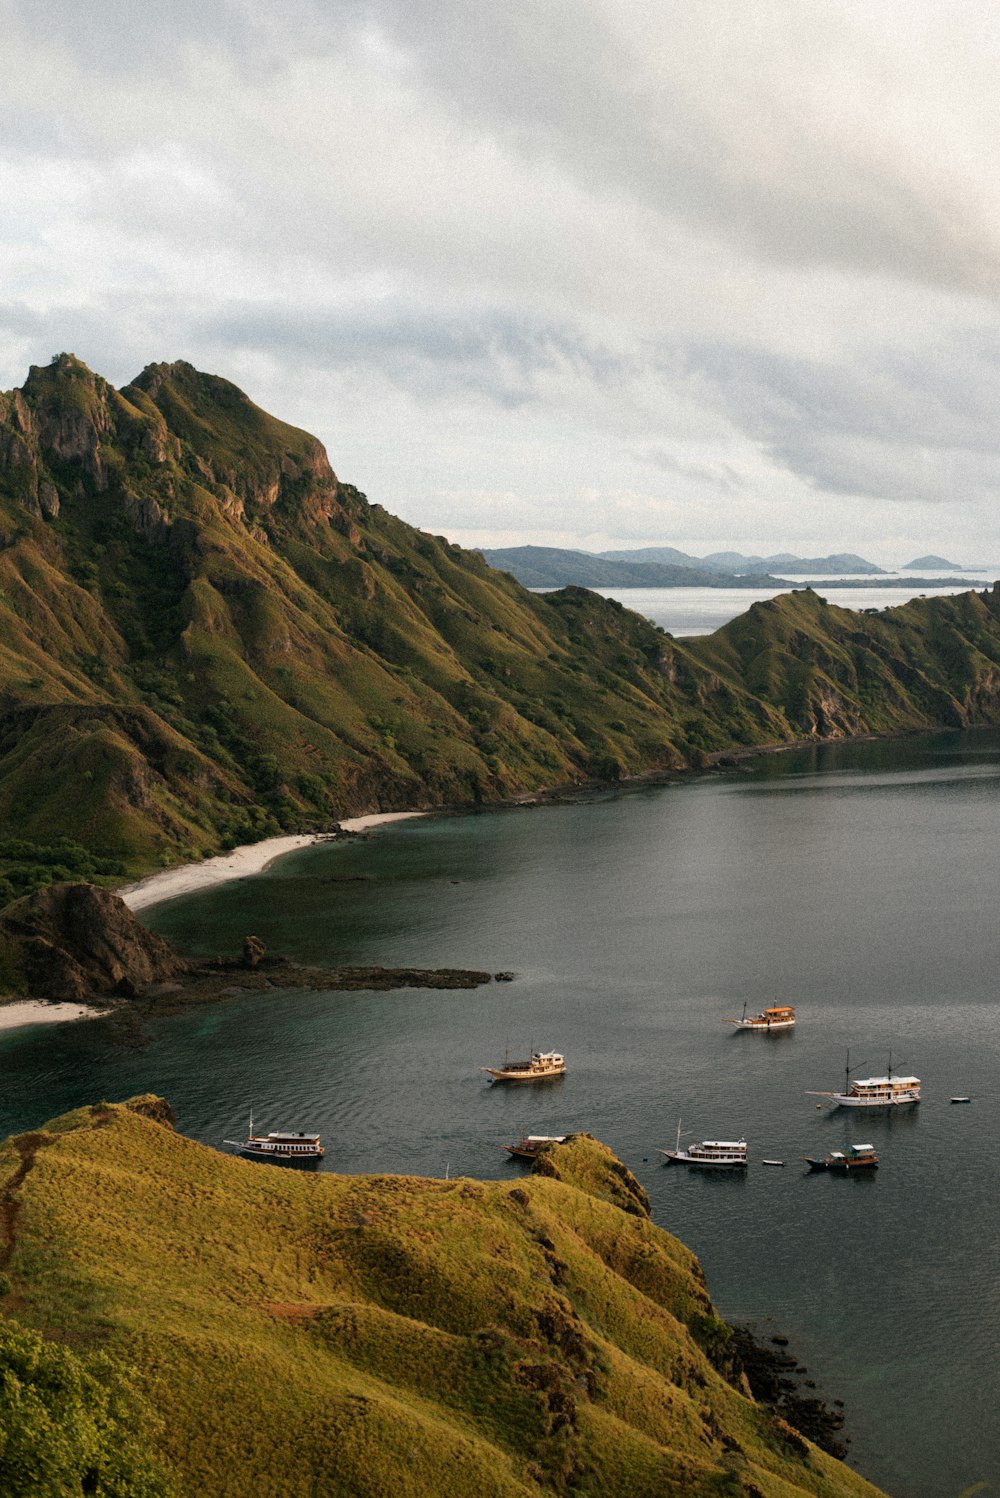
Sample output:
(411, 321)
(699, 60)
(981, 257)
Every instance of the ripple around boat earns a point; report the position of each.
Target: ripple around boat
(280, 1148)
(710, 1154)
(775, 1017)
(854, 1157)
(539, 1068)
(874, 1092)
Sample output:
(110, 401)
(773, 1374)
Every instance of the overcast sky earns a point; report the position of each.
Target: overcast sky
(570, 272)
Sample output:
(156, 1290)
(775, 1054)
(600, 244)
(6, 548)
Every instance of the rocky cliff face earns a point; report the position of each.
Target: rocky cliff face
(77, 942)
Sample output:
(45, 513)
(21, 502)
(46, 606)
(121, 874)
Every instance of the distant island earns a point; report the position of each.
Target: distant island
(734, 563)
(938, 563)
(558, 567)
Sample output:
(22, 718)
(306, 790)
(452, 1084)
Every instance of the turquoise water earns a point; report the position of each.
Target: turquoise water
(858, 882)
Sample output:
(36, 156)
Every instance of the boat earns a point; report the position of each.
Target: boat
(874, 1092)
(960, 1100)
(772, 1162)
(775, 1017)
(854, 1157)
(283, 1148)
(528, 1145)
(710, 1154)
(539, 1068)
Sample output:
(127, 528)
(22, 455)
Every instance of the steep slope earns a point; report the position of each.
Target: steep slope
(206, 637)
(371, 1335)
(832, 672)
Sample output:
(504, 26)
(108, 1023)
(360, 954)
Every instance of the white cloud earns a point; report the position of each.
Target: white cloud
(694, 274)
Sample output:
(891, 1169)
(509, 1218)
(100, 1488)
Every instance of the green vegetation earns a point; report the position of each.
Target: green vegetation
(206, 638)
(72, 1425)
(298, 1334)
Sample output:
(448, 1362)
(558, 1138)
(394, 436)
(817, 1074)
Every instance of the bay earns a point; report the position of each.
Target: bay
(857, 881)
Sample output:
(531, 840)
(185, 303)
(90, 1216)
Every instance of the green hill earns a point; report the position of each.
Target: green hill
(221, 1328)
(206, 638)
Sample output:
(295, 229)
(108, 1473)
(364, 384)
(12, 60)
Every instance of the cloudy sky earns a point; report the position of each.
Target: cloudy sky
(569, 272)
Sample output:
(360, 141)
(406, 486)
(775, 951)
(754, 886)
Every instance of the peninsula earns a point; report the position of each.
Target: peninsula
(278, 1334)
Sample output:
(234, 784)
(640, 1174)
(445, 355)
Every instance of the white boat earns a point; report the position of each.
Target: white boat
(874, 1092)
(528, 1145)
(282, 1148)
(538, 1068)
(710, 1154)
(775, 1017)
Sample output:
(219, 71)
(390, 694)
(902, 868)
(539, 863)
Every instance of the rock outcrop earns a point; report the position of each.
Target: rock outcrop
(77, 942)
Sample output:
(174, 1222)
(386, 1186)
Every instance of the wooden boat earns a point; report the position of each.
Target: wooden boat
(281, 1148)
(874, 1092)
(775, 1017)
(540, 1067)
(854, 1157)
(528, 1145)
(710, 1154)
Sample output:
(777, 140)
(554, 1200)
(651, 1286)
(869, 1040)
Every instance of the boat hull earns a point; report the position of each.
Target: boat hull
(845, 1100)
(842, 1167)
(763, 1026)
(507, 1076)
(294, 1162)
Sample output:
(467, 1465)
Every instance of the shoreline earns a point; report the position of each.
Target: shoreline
(22, 1012)
(254, 858)
(240, 863)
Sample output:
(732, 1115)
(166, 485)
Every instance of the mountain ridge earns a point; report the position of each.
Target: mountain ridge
(206, 638)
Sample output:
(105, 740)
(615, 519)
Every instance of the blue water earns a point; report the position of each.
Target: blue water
(858, 882)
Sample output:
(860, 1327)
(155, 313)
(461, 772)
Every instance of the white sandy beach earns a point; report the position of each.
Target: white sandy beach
(37, 1012)
(241, 862)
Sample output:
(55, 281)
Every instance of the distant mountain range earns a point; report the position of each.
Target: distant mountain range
(553, 567)
(665, 567)
(735, 562)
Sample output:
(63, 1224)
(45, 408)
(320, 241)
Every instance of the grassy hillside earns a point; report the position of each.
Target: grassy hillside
(829, 671)
(295, 1334)
(206, 637)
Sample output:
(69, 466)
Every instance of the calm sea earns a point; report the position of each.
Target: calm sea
(857, 881)
(700, 611)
